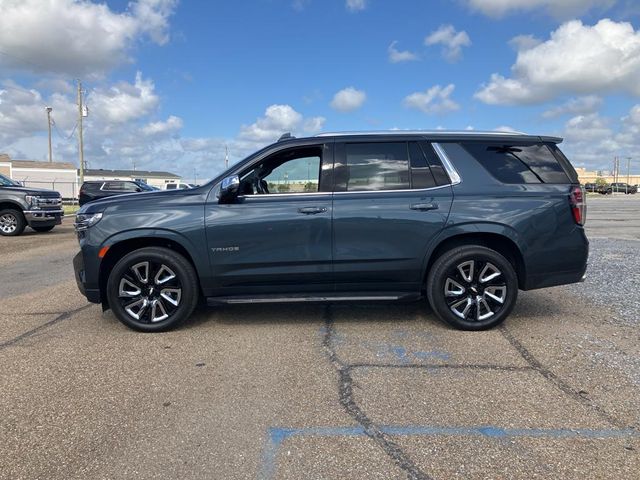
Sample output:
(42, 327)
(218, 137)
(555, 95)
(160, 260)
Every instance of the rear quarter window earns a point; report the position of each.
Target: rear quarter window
(518, 163)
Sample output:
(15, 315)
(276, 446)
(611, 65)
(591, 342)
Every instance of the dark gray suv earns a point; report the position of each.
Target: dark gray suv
(464, 219)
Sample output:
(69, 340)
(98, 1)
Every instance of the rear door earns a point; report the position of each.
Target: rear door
(392, 198)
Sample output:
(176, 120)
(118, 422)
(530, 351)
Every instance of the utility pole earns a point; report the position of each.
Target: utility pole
(226, 157)
(628, 168)
(80, 139)
(49, 109)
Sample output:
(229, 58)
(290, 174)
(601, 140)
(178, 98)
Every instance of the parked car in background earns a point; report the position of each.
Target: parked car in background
(620, 187)
(465, 219)
(591, 187)
(21, 206)
(96, 189)
(177, 186)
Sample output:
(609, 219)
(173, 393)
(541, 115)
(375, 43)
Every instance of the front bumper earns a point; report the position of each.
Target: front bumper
(92, 294)
(43, 217)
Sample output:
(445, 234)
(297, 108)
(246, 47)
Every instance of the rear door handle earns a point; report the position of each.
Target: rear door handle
(312, 210)
(423, 207)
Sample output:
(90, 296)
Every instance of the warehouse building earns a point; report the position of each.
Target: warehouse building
(60, 176)
(155, 179)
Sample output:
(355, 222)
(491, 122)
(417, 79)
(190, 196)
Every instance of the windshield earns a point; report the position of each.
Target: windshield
(7, 182)
(145, 187)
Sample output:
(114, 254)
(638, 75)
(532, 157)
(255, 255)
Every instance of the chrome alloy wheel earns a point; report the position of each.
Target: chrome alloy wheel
(8, 223)
(149, 292)
(475, 290)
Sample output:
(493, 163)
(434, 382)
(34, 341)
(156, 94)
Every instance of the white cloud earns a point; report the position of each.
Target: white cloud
(170, 125)
(279, 119)
(348, 99)
(451, 40)
(124, 102)
(524, 42)
(397, 56)
(356, 5)
(77, 37)
(577, 59)
(556, 8)
(505, 128)
(434, 100)
(575, 106)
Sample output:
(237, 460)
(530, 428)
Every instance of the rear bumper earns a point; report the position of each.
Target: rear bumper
(92, 294)
(43, 218)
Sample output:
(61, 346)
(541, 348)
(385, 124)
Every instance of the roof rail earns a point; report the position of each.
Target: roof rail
(421, 132)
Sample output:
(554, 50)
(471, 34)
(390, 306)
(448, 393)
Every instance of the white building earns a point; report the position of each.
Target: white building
(155, 179)
(59, 176)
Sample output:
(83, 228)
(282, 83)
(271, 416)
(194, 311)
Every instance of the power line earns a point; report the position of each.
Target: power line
(65, 137)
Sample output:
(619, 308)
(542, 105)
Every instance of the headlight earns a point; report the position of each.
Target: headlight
(32, 201)
(86, 220)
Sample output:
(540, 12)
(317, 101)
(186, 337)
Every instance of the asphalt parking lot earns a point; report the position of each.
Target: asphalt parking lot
(323, 391)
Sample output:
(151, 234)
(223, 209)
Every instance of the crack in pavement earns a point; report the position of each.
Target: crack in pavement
(345, 388)
(39, 328)
(559, 382)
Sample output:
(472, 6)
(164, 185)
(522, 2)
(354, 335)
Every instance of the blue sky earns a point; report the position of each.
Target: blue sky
(170, 84)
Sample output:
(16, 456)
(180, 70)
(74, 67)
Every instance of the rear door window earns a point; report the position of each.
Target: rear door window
(518, 163)
(377, 166)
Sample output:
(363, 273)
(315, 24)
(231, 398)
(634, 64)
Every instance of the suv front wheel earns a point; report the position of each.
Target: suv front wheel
(472, 287)
(152, 289)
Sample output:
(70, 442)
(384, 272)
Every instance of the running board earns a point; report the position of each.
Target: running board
(212, 301)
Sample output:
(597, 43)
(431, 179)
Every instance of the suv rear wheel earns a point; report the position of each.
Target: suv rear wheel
(152, 289)
(472, 287)
(12, 222)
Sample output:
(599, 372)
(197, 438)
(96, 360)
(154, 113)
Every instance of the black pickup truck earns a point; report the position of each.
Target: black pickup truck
(21, 206)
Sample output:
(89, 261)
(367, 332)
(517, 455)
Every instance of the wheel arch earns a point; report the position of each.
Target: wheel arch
(12, 205)
(500, 238)
(121, 246)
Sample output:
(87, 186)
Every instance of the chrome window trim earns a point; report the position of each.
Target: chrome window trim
(293, 194)
(415, 190)
(349, 192)
(448, 165)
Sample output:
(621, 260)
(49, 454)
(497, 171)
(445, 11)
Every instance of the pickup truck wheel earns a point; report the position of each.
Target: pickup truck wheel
(152, 289)
(12, 222)
(43, 229)
(472, 287)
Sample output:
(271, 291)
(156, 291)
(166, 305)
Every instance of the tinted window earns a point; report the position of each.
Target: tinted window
(421, 176)
(376, 166)
(91, 186)
(171, 186)
(115, 186)
(130, 187)
(438, 171)
(512, 163)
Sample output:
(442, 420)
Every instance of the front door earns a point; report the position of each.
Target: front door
(392, 198)
(276, 237)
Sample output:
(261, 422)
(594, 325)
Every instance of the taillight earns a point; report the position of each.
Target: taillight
(578, 203)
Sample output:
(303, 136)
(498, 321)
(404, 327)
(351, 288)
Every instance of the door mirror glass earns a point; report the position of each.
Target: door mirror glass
(229, 189)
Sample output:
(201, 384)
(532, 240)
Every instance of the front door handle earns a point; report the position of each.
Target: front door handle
(312, 210)
(423, 207)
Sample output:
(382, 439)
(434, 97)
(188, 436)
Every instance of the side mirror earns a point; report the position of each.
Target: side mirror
(138, 189)
(229, 189)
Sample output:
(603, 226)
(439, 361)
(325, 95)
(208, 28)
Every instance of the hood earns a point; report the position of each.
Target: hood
(131, 198)
(30, 191)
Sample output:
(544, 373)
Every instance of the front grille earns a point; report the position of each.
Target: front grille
(53, 202)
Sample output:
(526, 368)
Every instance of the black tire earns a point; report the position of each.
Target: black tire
(449, 288)
(12, 222)
(157, 295)
(43, 229)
